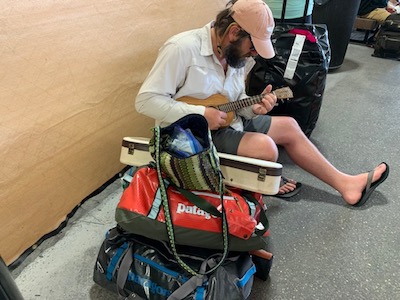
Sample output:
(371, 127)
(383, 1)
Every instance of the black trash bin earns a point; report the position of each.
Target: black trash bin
(339, 16)
(8, 287)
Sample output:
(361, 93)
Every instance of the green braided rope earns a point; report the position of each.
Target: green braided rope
(168, 219)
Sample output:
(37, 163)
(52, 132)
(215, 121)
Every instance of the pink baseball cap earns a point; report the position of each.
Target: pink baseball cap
(255, 17)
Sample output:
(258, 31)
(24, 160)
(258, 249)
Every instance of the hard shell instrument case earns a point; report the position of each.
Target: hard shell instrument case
(250, 174)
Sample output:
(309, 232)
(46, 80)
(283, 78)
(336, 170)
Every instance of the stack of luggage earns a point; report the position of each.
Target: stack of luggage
(187, 235)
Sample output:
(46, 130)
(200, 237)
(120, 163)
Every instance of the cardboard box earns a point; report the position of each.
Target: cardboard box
(70, 71)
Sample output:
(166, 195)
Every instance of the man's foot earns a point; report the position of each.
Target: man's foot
(372, 184)
(368, 182)
(288, 188)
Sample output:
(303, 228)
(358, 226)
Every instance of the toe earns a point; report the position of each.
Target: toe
(288, 186)
(378, 172)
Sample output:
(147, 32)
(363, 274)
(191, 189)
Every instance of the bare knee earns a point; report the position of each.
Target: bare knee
(290, 123)
(285, 130)
(258, 145)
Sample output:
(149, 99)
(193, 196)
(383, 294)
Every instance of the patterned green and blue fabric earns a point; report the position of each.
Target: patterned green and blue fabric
(200, 171)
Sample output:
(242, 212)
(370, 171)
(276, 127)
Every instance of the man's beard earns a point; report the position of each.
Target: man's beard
(233, 56)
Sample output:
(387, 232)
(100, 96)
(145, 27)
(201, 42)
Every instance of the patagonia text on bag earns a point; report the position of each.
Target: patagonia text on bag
(137, 267)
(187, 154)
(140, 211)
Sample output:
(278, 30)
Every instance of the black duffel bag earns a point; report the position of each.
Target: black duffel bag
(136, 267)
(308, 82)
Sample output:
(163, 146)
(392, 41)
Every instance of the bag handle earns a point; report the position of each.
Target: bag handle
(199, 202)
(122, 276)
(207, 207)
(263, 216)
(284, 11)
(197, 284)
(192, 284)
(168, 219)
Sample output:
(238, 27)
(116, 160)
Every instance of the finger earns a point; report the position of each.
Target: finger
(268, 89)
(269, 102)
(260, 109)
(273, 97)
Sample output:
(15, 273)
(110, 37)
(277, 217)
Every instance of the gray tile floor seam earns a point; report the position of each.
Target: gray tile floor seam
(323, 249)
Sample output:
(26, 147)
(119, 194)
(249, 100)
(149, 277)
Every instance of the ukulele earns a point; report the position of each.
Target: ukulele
(222, 103)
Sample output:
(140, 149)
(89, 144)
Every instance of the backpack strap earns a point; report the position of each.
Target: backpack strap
(284, 11)
(305, 11)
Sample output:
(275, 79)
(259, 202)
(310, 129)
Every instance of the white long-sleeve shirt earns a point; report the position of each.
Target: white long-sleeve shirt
(187, 66)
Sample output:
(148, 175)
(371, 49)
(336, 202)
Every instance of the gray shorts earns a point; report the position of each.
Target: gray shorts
(227, 140)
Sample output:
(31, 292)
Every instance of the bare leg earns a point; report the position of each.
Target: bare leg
(258, 145)
(286, 132)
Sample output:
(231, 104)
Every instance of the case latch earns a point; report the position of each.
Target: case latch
(131, 148)
(262, 172)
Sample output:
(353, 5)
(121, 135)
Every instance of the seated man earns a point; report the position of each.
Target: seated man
(377, 10)
(211, 60)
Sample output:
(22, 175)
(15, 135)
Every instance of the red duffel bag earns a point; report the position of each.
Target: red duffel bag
(195, 215)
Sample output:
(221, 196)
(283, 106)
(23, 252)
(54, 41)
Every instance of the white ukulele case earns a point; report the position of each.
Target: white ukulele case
(250, 174)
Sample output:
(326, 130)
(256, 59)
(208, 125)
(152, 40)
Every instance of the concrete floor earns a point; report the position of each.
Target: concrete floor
(323, 248)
